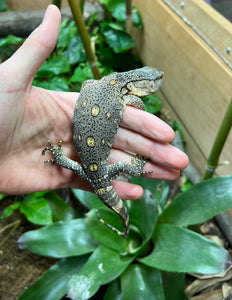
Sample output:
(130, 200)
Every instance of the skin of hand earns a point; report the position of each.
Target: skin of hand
(30, 115)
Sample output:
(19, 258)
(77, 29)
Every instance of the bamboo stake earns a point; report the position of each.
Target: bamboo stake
(218, 145)
(76, 11)
(128, 14)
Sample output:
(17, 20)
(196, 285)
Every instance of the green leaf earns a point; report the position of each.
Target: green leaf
(200, 202)
(54, 66)
(141, 282)
(113, 291)
(61, 211)
(9, 210)
(144, 214)
(82, 73)
(55, 84)
(9, 40)
(75, 52)
(103, 266)
(61, 239)
(174, 285)
(119, 41)
(3, 5)
(52, 285)
(118, 10)
(102, 233)
(158, 188)
(36, 210)
(136, 18)
(88, 199)
(2, 196)
(67, 31)
(153, 104)
(181, 250)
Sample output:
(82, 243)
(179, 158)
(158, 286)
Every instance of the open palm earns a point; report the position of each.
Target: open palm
(30, 115)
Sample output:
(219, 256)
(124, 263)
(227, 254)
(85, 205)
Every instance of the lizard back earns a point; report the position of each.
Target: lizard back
(97, 116)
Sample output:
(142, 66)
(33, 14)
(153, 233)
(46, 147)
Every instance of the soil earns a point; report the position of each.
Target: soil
(18, 269)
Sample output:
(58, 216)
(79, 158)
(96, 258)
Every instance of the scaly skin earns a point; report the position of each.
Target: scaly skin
(97, 116)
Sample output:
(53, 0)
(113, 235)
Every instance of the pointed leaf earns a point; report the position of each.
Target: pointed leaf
(158, 188)
(113, 291)
(61, 211)
(75, 52)
(200, 203)
(103, 266)
(52, 285)
(54, 66)
(61, 239)
(82, 73)
(88, 199)
(67, 31)
(118, 40)
(10, 39)
(144, 213)
(56, 84)
(141, 282)
(2, 196)
(181, 250)
(10, 209)
(36, 210)
(174, 285)
(102, 233)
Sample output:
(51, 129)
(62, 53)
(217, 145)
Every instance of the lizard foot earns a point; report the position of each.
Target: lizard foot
(138, 162)
(57, 152)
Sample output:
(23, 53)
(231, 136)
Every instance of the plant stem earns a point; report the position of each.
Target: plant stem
(82, 5)
(219, 142)
(76, 11)
(128, 14)
(57, 3)
(15, 225)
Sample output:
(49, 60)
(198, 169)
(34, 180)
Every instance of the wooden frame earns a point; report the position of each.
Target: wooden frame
(197, 83)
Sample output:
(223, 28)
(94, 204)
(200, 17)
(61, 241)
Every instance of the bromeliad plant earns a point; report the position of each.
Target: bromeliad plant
(152, 262)
(158, 252)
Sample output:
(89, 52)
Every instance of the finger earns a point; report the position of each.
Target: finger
(159, 153)
(127, 191)
(158, 171)
(147, 124)
(26, 61)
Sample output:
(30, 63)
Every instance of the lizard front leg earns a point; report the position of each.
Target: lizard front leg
(121, 167)
(62, 160)
(134, 101)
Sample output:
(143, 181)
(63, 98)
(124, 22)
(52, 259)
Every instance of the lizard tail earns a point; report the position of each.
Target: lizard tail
(112, 200)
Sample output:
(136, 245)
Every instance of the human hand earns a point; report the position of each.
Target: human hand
(30, 115)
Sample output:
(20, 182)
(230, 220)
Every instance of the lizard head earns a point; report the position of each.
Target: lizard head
(142, 82)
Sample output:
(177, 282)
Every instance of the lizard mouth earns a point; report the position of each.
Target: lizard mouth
(144, 87)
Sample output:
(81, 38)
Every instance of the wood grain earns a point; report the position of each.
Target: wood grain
(197, 83)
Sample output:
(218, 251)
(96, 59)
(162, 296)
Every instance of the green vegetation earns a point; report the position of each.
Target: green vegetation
(94, 260)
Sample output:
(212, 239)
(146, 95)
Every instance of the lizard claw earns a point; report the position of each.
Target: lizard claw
(53, 150)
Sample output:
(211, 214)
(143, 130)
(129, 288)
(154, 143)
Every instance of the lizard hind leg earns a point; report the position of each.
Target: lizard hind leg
(112, 200)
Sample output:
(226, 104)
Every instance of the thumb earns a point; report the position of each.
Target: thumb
(25, 62)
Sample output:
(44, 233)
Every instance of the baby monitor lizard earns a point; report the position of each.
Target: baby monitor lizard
(97, 115)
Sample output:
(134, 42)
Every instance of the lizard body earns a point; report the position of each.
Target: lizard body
(97, 115)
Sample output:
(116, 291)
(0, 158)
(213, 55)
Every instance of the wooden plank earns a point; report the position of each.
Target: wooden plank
(197, 83)
(31, 5)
